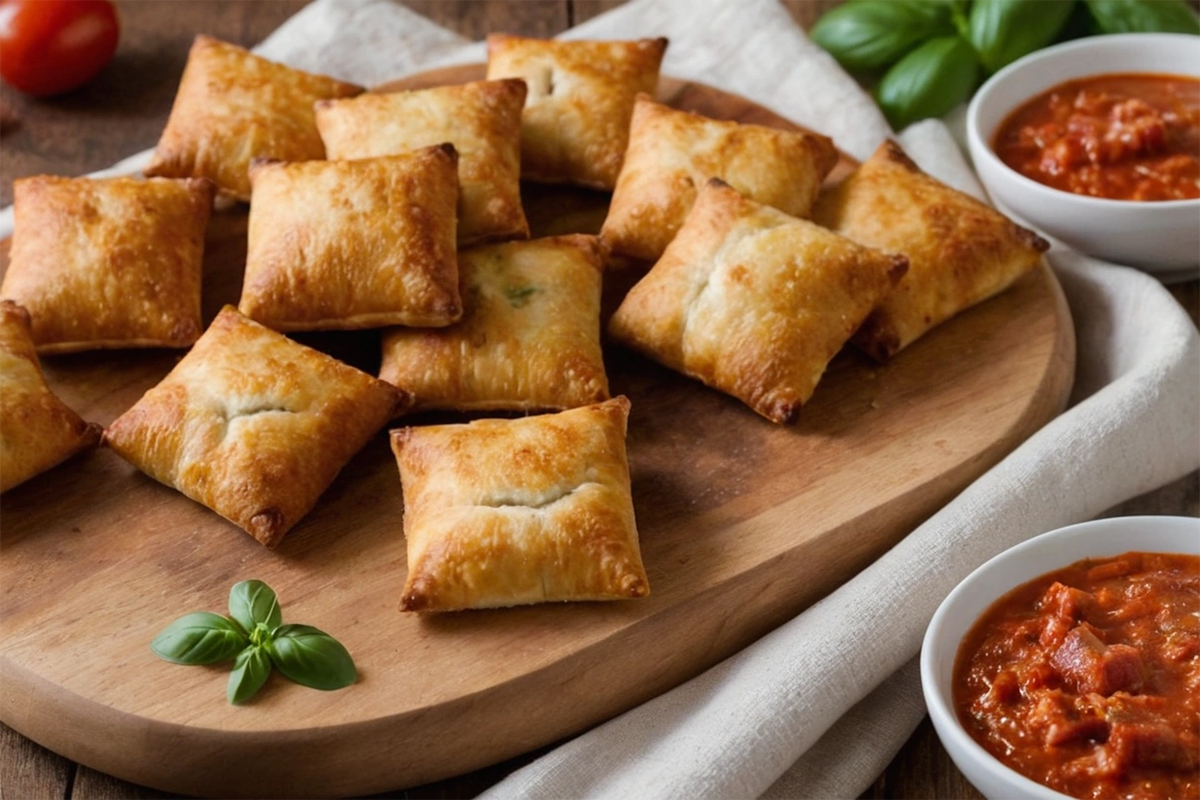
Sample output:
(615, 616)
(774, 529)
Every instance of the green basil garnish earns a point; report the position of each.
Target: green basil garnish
(929, 81)
(200, 638)
(1004, 30)
(255, 635)
(252, 603)
(518, 296)
(871, 34)
(311, 657)
(250, 672)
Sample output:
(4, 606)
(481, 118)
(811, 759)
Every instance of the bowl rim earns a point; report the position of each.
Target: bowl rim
(979, 145)
(940, 704)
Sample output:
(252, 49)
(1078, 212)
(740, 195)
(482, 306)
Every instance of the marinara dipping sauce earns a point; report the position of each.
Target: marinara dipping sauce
(1088, 679)
(1122, 137)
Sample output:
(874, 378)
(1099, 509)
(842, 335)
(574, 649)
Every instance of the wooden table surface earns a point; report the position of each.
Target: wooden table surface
(123, 112)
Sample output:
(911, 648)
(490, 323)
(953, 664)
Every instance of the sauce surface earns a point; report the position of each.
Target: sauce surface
(1128, 136)
(1087, 679)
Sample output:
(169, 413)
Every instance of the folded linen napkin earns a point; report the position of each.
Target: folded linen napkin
(820, 706)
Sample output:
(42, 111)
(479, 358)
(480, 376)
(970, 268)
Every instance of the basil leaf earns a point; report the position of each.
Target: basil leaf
(250, 672)
(869, 34)
(1004, 30)
(929, 81)
(311, 657)
(200, 638)
(252, 603)
(1140, 16)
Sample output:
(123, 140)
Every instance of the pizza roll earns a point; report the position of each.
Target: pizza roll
(233, 107)
(672, 154)
(253, 425)
(752, 301)
(108, 263)
(354, 244)
(959, 250)
(576, 121)
(37, 430)
(512, 512)
(481, 119)
(529, 338)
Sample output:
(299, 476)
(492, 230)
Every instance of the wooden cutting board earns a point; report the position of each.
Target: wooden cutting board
(743, 524)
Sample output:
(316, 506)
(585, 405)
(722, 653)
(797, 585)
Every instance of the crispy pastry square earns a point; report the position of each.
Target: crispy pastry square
(481, 119)
(253, 425)
(529, 338)
(511, 512)
(576, 122)
(354, 244)
(960, 251)
(672, 154)
(752, 301)
(233, 107)
(37, 430)
(108, 263)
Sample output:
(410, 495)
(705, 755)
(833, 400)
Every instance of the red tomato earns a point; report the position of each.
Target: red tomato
(51, 46)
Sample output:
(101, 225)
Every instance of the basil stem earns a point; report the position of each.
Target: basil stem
(1004, 30)
(250, 672)
(311, 657)
(252, 603)
(1140, 16)
(200, 638)
(929, 81)
(871, 34)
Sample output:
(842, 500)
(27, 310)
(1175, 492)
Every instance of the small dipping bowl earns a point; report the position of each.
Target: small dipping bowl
(1160, 237)
(1015, 566)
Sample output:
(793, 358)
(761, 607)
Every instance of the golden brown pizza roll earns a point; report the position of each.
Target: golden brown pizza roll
(576, 122)
(108, 263)
(481, 119)
(37, 430)
(354, 244)
(529, 338)
(512, 512)
(233, 107)
(253, 425)
(673, 153)
(959, 250)
(752, 301)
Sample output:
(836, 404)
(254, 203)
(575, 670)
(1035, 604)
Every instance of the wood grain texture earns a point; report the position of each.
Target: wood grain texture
(29, 771)
(719, 494)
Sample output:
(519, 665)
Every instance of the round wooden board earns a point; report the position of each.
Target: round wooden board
(743, 524)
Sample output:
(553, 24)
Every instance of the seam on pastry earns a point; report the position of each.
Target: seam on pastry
(734, 239)
(229, 418)
(537, 505)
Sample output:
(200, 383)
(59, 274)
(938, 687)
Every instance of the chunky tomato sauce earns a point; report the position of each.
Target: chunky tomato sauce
(1088, 679)
(1122, 137)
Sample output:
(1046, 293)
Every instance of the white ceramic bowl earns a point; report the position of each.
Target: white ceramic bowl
(1013, 567)
(1159, 237)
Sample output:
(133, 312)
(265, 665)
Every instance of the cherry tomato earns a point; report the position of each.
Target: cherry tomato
(52, 46)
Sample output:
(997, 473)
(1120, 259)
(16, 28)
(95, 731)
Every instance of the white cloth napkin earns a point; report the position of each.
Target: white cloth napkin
(820, 706)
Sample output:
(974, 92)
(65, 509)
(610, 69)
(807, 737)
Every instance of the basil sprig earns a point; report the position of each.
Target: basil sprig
(926, 56)
(255, 637)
